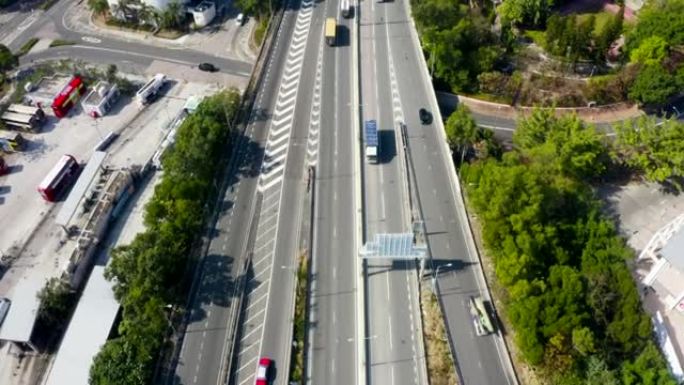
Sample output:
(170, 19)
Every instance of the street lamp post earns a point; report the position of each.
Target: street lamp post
(436, 273)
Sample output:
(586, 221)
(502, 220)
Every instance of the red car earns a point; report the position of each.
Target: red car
(262, 377)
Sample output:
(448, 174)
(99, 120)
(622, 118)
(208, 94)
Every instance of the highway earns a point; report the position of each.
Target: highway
(267, 314)
(206, 347)
(206, 340)
(395, 354)
(334, 335)
(481, 360)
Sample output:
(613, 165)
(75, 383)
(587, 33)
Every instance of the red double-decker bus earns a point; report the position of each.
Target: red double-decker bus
(68, 97)
(60, 177)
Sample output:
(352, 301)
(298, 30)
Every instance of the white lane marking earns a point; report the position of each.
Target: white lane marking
(255, 315)
(90, 39)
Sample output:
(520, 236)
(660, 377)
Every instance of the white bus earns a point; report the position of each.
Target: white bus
(17, 120)
(27, 110)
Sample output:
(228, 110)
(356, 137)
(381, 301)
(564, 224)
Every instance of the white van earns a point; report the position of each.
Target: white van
(4, 307)
(240, 19)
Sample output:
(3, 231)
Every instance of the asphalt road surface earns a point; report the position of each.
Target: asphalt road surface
(266, 329)
(334, 339)
(104, 49)
(395, 355)
(481, 359)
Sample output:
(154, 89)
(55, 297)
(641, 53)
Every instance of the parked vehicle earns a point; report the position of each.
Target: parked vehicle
(12, 142)
(68, 97)
(240, 19)
(146, 93)
(207, 67)
(62, 175)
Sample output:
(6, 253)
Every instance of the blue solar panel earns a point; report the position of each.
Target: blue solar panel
(371, 133)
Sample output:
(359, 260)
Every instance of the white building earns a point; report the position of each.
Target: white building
(203, 13)
(100, 99)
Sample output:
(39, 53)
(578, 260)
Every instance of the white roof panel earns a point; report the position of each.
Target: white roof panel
(87, 332)
(18, 324)
(71, 204)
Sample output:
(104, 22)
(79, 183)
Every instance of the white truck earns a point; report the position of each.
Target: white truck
(146, 93)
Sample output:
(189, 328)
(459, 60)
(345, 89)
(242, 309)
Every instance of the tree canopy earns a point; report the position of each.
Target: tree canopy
(570, 297)
(149, 273)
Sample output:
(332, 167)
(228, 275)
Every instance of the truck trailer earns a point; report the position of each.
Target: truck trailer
(372, 141)
(331, 31)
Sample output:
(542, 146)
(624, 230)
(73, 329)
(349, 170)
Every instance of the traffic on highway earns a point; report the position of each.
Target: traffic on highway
(215, 192)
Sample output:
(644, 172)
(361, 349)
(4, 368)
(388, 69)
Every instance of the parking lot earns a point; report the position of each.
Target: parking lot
(22, 209)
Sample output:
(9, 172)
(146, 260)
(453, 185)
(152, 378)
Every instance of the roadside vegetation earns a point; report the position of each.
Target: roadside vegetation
(27, 46)
(150, 274)
(555, 52)
(61, 42)
(570, 302)
(299, 333)
(57, 302)
(440, 364)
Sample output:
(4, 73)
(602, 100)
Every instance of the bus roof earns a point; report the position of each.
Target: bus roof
(17, 117)
(22, 109)
(64, 94)
(56, 170)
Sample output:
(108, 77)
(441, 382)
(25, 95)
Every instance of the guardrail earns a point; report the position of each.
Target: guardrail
(460, 204)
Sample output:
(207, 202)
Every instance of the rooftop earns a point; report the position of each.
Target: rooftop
(98, 93)
(87, 332)
(673, 251)
(18, 324)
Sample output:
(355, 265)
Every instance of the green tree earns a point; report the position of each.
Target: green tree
(56, 299)
(461, 130)
(651, 51)
(598, 372)
(653, 86)
(656, 150)
(526, 12)
(7, 59)
(648, 368)
(119, 362)
(659, 18)
(100, 7)
(172, 16)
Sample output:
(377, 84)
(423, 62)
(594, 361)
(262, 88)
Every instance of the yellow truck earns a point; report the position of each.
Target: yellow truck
(330, 31)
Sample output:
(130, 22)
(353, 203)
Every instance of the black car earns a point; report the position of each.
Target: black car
(425, 116)
(208, 67)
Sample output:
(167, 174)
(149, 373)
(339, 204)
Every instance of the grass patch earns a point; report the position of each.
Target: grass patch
(439, 362)
(61, 42)
(38, 73)
(297, 367)
(602, 18)
(47, 4)
(27, 46)
(538, 37)
(260, 30)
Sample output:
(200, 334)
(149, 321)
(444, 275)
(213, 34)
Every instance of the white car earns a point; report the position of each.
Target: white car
(240, 19)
